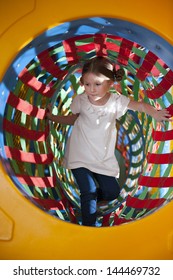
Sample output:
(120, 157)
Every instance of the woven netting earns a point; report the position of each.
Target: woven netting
(35, 147)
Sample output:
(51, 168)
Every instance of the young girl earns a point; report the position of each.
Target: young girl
(90, 150)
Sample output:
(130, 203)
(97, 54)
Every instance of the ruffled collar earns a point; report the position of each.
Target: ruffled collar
(99, 110)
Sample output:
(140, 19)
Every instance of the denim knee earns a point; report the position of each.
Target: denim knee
(87, 196)
(112, 195)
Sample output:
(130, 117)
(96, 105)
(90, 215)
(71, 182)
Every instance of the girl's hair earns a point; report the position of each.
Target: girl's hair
(102, 65)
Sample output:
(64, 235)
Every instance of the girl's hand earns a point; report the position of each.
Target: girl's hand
(158, 115)
(49, 111)
(49, 107)
(162, 115)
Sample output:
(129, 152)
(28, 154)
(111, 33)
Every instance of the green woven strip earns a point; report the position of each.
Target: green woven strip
(56, 50)
(84, 41)
(161, 69)
(169, 193)
(137, 152)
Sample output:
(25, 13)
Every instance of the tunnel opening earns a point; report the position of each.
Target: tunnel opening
(33, 147)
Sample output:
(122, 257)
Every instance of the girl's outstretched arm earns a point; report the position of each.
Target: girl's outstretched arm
(67, 120)
(158, 115)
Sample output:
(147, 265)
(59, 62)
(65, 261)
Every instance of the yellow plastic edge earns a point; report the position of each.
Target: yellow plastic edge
(37, 235)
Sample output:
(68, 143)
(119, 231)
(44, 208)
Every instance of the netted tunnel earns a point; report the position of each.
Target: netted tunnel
(48, 71)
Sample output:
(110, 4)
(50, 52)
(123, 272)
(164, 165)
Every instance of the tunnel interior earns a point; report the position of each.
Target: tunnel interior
(33, 148)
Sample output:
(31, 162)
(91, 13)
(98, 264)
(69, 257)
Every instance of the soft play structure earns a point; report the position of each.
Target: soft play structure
(43, 47)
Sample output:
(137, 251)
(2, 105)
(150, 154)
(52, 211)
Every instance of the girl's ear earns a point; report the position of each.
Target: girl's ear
(81, 81)
(111, 83)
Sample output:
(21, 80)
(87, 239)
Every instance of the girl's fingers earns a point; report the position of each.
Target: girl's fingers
(163, 125)
(49, 107)
(48, 111)
(165, 115)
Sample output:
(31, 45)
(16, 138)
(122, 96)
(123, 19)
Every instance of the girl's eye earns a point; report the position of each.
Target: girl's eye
(97, 84)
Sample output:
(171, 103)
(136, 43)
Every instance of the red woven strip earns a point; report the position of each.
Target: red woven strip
(167, 81)
(156, 92)
(99, 39)
(105, 221)
(91, 46)
(119, 221)
(135, 202)
(134, 56)
(24, 132)
(49, 64)
(71, 213)
(117, 38)
(100, 44)
(28, 79)
(70, 50)
(156, 72)
(25, 106)
(86, 48)
(40, 182)
(125, 51)
(147, 65)
(160, 158)
(16, 154)
(162, 87)
(158, 182)
(112, 47)
(162, 135)
(50, 203)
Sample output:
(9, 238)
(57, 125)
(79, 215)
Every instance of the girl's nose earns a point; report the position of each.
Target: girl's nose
(92, 88)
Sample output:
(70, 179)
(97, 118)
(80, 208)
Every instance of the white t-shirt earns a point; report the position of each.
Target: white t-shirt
(93, 138)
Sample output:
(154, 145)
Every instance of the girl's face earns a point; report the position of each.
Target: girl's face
(96, 86)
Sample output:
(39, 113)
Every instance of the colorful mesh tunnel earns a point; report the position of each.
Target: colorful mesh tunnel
(33, 147)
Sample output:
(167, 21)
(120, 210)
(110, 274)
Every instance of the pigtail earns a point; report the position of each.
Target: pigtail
(119, 74)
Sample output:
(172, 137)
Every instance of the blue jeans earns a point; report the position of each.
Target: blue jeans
(109, 189)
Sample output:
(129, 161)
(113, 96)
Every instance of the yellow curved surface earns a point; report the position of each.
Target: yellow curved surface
(30, 233)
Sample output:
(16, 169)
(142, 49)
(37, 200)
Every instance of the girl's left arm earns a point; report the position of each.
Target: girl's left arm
(158, 115)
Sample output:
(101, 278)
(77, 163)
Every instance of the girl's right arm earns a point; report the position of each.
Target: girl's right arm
(67, 120)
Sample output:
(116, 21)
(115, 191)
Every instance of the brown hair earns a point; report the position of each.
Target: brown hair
(102, 65)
